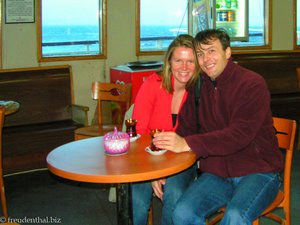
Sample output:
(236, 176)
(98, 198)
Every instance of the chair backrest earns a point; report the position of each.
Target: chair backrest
(111, 92)
(286, 130)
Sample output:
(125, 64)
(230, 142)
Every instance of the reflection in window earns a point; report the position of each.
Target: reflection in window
(74, 29)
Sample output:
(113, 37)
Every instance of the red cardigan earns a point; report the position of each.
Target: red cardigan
(152, 106)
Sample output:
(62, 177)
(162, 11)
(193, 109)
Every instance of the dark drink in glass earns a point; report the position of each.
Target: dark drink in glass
(131, 127)
(153, 147)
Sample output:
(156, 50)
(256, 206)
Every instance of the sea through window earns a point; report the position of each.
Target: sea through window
(155, 31)
(70, 29)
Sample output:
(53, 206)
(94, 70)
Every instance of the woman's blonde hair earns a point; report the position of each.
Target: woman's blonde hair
(181, 40)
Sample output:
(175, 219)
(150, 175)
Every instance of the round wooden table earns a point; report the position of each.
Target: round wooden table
(86, 161)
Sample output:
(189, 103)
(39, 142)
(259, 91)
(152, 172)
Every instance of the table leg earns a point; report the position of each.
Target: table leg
(124, 206)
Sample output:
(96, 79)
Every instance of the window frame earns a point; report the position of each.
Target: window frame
(268, 33)
(296, 46)
(102, 55)
(1, 43)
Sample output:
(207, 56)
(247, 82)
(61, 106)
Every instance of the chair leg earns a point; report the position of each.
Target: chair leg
(150, 216)
(3, 199)
(288, 217)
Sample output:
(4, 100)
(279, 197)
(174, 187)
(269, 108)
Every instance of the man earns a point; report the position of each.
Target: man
(237, 146)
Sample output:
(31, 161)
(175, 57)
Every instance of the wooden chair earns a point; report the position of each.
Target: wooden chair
(2, 187)
(2, 190)
(286, 130)
(110, 92)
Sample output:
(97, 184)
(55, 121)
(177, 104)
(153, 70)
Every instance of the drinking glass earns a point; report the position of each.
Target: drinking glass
(131, 127)
(153, 147)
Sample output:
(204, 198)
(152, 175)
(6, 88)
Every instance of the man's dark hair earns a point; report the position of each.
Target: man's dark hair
(208, 35)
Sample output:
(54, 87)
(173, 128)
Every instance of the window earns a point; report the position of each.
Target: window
(173, 17)
(70, 30)
(258, 11)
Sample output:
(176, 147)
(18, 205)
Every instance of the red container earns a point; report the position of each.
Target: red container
(136, 77)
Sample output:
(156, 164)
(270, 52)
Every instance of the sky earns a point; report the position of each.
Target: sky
(154, 15)
(69, 11)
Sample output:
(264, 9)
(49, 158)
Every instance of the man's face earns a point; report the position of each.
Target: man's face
(212, 58)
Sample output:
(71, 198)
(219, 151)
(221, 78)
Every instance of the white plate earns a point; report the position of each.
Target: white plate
(135, 138)
(148, 149)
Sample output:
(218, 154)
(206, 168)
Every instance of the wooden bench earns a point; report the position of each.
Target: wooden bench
(45, 118)
(280, 72)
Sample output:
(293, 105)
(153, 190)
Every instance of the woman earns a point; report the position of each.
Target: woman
(156, 106)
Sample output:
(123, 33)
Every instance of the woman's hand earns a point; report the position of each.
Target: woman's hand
(157, 186)
(170, 141)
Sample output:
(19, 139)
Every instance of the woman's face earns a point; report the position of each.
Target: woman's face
(183, 64)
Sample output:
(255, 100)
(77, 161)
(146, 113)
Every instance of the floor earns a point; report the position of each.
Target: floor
(42, 198)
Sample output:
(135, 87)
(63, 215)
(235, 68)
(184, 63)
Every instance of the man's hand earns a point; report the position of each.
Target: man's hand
(157, 186)
(170, 141)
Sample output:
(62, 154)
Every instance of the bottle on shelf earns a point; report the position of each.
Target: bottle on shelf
(230, 16)
(228, 4)
(222, 16)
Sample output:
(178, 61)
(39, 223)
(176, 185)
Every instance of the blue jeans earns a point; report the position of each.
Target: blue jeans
(175, 186)
(244, 197)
